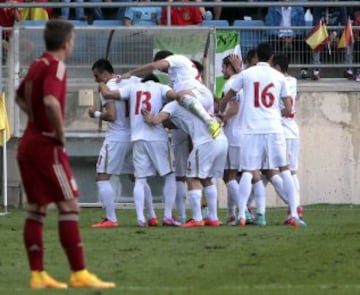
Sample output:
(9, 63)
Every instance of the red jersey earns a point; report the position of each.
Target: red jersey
(182, 16)
(44, 165)
(46, 76)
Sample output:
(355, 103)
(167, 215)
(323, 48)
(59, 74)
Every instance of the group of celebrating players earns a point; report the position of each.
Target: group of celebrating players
(247, 137)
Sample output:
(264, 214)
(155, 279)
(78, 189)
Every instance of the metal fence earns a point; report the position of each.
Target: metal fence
(126, 48)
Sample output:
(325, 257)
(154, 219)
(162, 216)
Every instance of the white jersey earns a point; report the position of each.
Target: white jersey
(231, 128)
(149, 96)
(263, 88)
(119, 130)
(291, 129)
(190, 124)
(182, 72)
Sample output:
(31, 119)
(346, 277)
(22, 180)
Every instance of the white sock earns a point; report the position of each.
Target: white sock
(195, 202)
(181, 198)
(139, 198)
(211, 198)
(277, 182)
(194, 105)
(107, 196)
(149, 201)
(244, 193)
(232, 191)
(169, 193)
(297, 188)
(289, 191)
(260, 197)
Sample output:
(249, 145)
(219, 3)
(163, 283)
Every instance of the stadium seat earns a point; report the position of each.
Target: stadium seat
(107, 22)
(215, 23)
(79, 23)
(33, 22)
(250, 38)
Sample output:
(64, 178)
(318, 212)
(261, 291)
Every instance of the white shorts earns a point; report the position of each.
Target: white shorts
(115, 158)
(207, 160)
(262, 151)
(233, 158)
(292, 150)
(152, 157)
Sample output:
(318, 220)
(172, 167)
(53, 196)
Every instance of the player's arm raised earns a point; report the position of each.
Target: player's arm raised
(108, 93)
(160, 65)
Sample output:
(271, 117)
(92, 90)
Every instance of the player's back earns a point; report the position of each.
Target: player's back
(260, 108)
(119, 130)
(183, 73)
(149, 96)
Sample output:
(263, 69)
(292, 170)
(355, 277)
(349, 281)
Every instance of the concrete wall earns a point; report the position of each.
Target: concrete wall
(328, 116)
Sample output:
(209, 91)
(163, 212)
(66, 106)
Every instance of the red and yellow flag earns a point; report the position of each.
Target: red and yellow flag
(347, 37)
(4, 123)
(318, 36)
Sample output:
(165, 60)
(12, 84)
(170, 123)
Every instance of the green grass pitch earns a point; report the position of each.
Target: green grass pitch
(323, 258)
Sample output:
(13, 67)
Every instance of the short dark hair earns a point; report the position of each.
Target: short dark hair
(282, 61)
(162, 54)
(250, 55)
(56, 33)
(102, 65)
(264, 51)
(150, 77)
(226, 61)
(198, 65)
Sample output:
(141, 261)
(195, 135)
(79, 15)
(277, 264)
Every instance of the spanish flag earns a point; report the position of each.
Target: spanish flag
(318, 36)
(347, 37)
(4, 123)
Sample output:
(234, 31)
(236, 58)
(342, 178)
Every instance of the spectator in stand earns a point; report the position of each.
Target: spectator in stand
(36, 13)
(79, 11)
(210, 12)
(8, 17)
(286, 40)
(233, 13)
(96, 12)
(181, 16)
(120, 13)
(333, 16)
(147, 16)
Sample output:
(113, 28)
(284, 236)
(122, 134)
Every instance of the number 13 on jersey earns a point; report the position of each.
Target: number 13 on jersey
(142, 102)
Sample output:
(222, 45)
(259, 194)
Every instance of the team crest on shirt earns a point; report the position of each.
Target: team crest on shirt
(186, 15)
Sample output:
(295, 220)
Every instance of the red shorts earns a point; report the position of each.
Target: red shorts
(45, 171)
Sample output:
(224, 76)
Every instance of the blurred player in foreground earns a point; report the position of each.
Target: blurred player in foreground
(44, 164)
